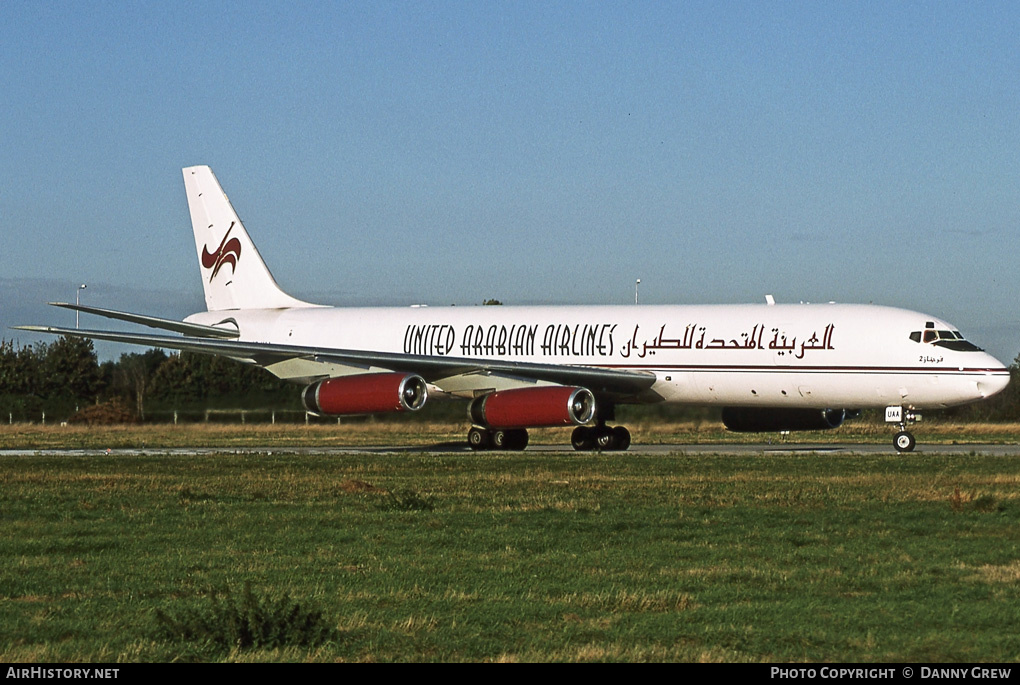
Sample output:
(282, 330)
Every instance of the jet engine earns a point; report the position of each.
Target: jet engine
(533, 407)
(366, 394)
(764, 419)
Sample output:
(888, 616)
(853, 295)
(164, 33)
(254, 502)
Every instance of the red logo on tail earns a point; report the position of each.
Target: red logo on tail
(227, 252)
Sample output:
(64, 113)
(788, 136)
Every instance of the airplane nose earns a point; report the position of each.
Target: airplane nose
(995, 380)
(993, 385)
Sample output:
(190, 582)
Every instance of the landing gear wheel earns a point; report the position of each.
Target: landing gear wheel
(604, 438)
(516, 440)
(478, 438)
(621, 438)
(582, 439)
(904, 442)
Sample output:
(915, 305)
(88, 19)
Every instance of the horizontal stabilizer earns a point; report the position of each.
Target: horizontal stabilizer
(155, 322)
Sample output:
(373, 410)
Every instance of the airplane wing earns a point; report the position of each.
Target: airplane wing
(617, 382)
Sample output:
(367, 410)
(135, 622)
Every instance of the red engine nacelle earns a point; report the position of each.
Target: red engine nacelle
(366, 394)
(533, 408)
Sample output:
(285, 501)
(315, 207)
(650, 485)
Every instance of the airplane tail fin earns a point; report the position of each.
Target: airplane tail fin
(233, 273)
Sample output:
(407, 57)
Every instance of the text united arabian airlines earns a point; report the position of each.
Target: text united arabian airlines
(770, 367)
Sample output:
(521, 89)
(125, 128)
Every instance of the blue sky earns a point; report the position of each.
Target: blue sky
(396, 153)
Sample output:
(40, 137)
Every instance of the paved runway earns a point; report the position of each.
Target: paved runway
(462, 448)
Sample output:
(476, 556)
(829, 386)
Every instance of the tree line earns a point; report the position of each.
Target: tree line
(65, 377)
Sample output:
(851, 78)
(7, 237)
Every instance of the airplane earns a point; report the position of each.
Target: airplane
(770, 367)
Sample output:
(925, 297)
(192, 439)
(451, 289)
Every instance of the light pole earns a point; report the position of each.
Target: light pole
(636, 284)
(77, 301)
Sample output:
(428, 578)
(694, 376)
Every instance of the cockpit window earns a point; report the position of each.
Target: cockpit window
(958, 345)
(952, 340)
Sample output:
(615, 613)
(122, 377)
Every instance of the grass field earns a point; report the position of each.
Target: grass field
(517, 557)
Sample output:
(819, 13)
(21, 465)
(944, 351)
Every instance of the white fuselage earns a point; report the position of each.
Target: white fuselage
(797, 356)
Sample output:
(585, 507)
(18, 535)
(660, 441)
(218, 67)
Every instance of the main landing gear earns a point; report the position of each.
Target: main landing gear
(513, 440)
(583, 439)
(601, 437)
(904, 440)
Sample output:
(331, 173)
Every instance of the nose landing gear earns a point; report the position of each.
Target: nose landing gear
(904, 440)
